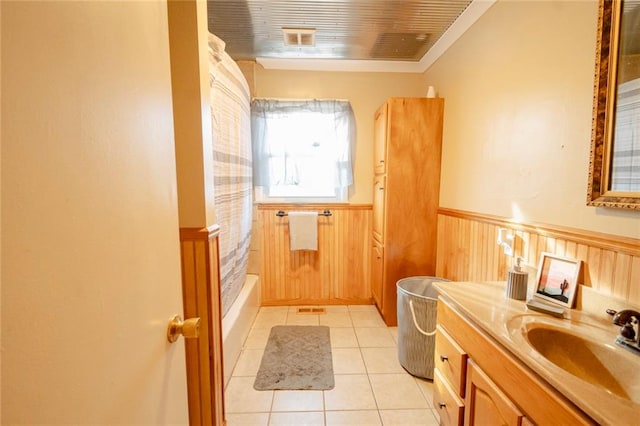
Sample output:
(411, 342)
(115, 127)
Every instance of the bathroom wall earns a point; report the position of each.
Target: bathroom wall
(518, 87)
(365, 91)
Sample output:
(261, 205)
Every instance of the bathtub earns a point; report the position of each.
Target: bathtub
(237, 323)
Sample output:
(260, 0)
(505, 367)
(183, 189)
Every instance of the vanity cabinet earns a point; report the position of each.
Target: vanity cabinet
(407, 150)
(486, 384)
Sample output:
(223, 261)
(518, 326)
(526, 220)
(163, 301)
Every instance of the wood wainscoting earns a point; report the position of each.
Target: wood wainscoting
(201, 298)
(338, 273)
(468, 251)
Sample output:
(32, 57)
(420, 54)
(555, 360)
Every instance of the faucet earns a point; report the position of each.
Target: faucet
(629, 321)
(623, 317)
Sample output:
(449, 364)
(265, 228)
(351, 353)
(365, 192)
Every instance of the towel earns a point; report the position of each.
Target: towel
(303, 230)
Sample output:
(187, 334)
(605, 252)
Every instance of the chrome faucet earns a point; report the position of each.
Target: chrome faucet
(629, 321)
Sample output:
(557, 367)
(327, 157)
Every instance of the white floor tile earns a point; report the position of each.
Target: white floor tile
(268, 319)
(382, 360)
(394, 333)
(336, 309)
(338, 319)
(363, 308)
(347, 361)
(366, 319)
(353, 418)
(247, 419)
(257, 338)
(396, 391)
(375, 337)
(241, 397)
(248, 362)
(426, 387)
(298, 401)
(302, 319)
(308, 418)
(408, 418)
(352, 392)
(343, 338)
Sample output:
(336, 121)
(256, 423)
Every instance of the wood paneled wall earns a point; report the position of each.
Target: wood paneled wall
(468, 251)
(337, 273)
(201, 298)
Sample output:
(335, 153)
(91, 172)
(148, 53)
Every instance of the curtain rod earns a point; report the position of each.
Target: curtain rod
(298, 99)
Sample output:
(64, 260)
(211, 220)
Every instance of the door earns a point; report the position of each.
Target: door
(377, 269)
(380, 140)
(90, 251)
(485, 403)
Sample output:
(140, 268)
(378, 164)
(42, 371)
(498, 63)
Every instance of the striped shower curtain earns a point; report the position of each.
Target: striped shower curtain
(230, 122)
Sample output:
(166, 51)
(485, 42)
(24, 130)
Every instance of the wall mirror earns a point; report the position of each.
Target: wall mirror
(614, 169)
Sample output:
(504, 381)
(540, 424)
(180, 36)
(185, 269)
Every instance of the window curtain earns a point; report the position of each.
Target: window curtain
(264, 110)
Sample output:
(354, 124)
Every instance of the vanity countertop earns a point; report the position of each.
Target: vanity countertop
(504, 319)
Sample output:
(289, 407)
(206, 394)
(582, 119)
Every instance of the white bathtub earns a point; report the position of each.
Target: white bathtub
(237, 323)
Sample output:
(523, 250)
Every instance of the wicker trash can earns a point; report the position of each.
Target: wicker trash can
(417, 309)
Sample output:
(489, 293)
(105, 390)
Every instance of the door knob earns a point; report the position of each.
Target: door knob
(188, 328)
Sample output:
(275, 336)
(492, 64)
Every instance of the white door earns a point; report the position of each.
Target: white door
(90, 250)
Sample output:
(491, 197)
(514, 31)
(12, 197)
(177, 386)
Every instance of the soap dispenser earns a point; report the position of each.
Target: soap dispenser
(517, 282)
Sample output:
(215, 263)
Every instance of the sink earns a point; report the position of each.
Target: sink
(588, 354)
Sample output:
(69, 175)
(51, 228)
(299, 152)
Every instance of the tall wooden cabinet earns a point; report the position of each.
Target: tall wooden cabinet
(407, 148)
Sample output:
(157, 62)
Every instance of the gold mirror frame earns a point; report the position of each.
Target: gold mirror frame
(603, 121)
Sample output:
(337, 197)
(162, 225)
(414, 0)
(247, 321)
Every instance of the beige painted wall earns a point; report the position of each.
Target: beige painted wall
(90, 253)
(518, 89)
(192, 113)
(365, 91)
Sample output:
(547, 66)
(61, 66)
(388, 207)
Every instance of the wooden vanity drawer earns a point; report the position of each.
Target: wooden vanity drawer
(449, 406)
(451, 361)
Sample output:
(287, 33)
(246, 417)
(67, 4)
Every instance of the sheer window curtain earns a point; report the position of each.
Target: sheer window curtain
(267, 155)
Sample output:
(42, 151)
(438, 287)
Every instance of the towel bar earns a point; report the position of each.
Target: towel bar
(324, 213)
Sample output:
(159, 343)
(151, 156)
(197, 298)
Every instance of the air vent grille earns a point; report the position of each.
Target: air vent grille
(312, 310)
(299, 36)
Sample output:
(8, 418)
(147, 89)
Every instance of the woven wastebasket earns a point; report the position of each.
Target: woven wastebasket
(417, 308)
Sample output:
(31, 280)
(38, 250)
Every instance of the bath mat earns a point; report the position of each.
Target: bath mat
(297, 357)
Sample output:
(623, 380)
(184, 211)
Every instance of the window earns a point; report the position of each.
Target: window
(302, 149)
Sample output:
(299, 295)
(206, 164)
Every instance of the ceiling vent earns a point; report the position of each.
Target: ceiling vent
(402, 46)
(299, 36)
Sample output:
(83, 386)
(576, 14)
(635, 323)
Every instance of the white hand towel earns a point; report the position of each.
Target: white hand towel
(303, 230)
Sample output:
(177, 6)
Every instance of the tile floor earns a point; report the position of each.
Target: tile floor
(371, 388)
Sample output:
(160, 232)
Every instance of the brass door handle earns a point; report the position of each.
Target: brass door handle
(190, 328)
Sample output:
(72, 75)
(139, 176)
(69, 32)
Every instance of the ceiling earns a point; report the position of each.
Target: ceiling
(381, 30)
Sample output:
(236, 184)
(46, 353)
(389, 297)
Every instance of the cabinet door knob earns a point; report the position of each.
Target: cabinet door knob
(382, 161)
(444, 358)
(441, 405)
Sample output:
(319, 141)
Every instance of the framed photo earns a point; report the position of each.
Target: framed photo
(557, 279)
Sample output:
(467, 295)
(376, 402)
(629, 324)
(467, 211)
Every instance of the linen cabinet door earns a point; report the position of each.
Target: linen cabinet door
(380, 140)
(378, 208)
(377, 268)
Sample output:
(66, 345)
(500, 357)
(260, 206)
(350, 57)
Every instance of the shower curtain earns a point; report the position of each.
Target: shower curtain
(232, 165)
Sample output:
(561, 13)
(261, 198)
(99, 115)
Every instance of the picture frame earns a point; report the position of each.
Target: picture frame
(557, 279)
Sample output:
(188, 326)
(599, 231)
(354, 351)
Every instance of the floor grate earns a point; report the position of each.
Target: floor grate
(312, 311)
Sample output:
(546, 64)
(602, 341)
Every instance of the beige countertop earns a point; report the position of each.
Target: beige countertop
(505, 321)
